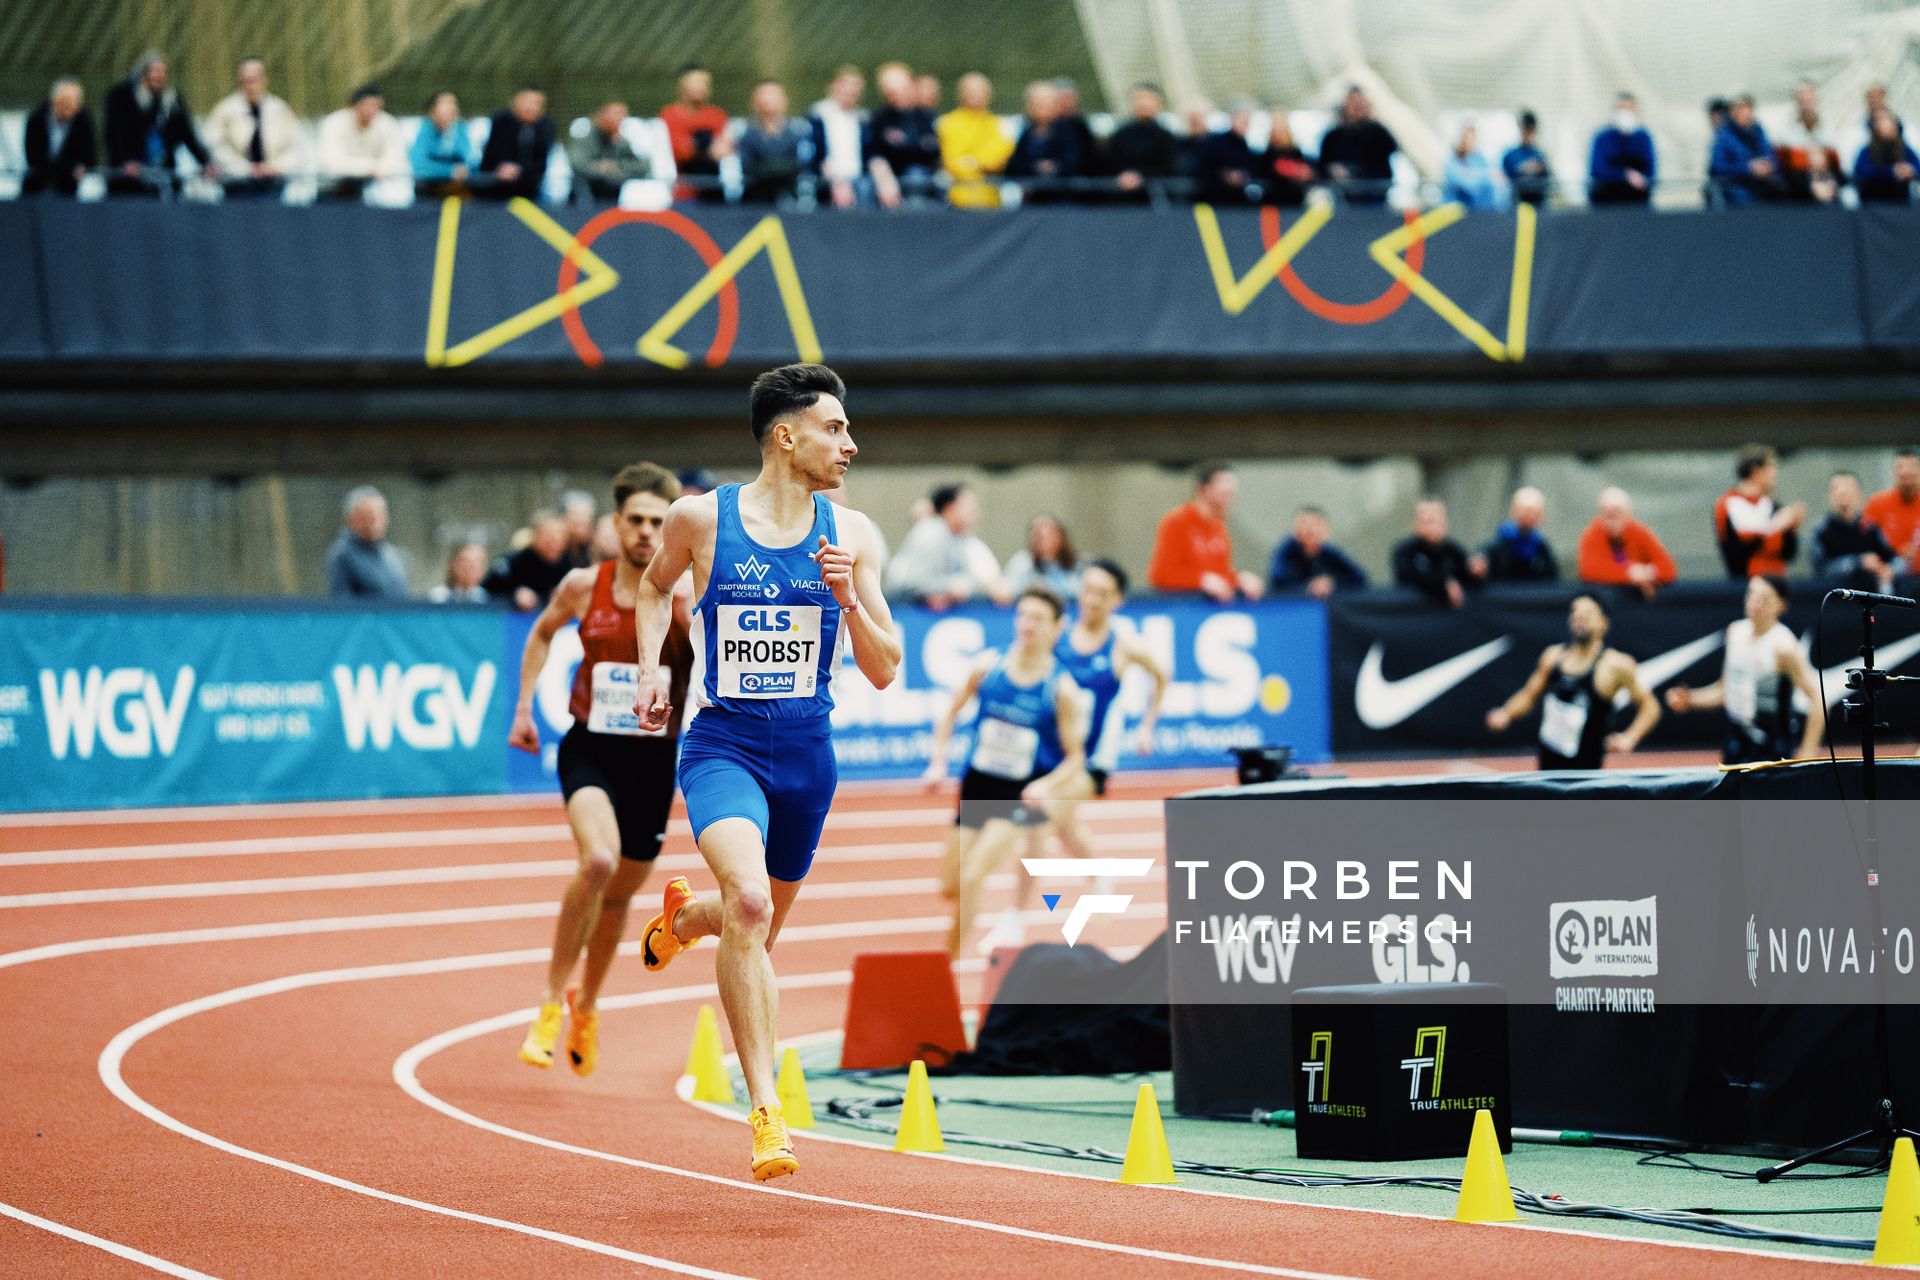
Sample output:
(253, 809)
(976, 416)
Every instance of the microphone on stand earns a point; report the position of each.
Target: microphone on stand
(1874, 597)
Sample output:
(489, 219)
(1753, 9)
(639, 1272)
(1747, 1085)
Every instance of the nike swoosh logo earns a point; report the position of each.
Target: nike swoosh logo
(1885, 658)
(1382, 703)
(1659, 669)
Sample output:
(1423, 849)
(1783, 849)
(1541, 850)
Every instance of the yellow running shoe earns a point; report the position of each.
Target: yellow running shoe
(583, 1035)
(772, 1147)
(537, 1049)
(658, 943)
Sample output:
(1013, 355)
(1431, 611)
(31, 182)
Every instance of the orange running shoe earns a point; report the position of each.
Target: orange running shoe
(583, 1035)
(772, 1146)
(658, 943)
(537, 1049)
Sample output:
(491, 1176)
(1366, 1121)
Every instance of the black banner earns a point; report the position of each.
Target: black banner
(1408, 674)
(446, 286)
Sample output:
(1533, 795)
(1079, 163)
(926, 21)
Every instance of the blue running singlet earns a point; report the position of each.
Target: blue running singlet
(766, 639)
(1017, 732)
(1097, 677)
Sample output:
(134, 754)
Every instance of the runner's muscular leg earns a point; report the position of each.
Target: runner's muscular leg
(745, 921)
(596, 838)
(612, 924)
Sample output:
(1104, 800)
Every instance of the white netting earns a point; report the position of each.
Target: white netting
(1427, 63)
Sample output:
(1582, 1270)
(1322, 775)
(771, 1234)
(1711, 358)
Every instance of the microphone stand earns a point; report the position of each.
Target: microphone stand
(1887, 1122)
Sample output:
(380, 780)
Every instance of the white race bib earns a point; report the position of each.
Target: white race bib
(1005, 750)
(616, 687)
(1561, 724)
(767, 651)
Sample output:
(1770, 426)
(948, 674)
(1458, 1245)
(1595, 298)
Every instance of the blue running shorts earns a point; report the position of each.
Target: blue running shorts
(777, 774)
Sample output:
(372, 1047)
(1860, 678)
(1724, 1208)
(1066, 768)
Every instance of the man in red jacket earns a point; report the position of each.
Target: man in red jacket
(1617, 550)
(1192, 550)
(1756, 536)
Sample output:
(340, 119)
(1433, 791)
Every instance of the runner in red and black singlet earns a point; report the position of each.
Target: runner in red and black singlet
(616, 774)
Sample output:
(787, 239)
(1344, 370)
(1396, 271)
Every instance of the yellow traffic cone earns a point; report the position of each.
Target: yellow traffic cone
(1485, 1195)
(1897, 1244)
(1148, 1160)
(919, 1126)
(711, 1083)
(792, 1089)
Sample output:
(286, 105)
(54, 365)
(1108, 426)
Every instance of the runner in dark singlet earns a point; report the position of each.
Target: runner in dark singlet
(616, 775)
(1577, 685)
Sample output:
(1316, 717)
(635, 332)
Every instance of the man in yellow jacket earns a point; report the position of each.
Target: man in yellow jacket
(973, 145)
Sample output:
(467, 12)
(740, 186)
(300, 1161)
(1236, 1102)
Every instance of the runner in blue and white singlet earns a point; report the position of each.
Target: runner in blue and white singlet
(1098, 655)
(784, 580)
(1029, 742)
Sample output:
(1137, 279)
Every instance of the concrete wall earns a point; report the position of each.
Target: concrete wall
(268, 535)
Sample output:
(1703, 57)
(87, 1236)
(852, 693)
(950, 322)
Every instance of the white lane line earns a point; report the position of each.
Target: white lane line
(439, 837)
(128, 1252)
(112, 1074)
(412, 876)
(1162, 779)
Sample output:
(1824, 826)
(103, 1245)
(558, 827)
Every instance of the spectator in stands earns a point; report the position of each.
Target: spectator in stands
(841, 139)
(695, 481)
(1518, 551)
(1308, 560)
(525, 578)
(1896, 511)
(579, 510)
(146, 123)
(361, 563)
(1756, 537)
(1287, 170)
(905, 139)
(255, 135)
(1617, 550)
(1742, 164)
(1719, 111)
(698, 131)
(602, 158)
(1876, 100)
(1047, 155)
(1809, 163)
(974, 146)
(1621, 168)
(1848, 550)
(1142, 150)
(519, 142)
(360, 143)
(1432, 563)
(59, 141)
(1468, 178)
(443, 154)
(942, 561)
(1528, 171)
(1073, 121)
(466, 570)
(926, 93)
(1357, 154)
(1192, 550)
(1224, 167)
(1048, 560)
(1883, 173)
(775, 149)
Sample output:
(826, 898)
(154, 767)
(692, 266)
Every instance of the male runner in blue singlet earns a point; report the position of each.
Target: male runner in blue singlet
(782, 578)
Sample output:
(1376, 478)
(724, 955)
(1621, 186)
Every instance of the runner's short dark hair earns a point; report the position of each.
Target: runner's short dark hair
(1778, 582)
(1046, 597)
(643, 477)
(1112, 570)
(945, 496)
(791, 387)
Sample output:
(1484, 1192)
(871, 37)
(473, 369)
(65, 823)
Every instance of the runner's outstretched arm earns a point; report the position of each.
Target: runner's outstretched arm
(568, 599)
(852, 571)
(690, 521)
